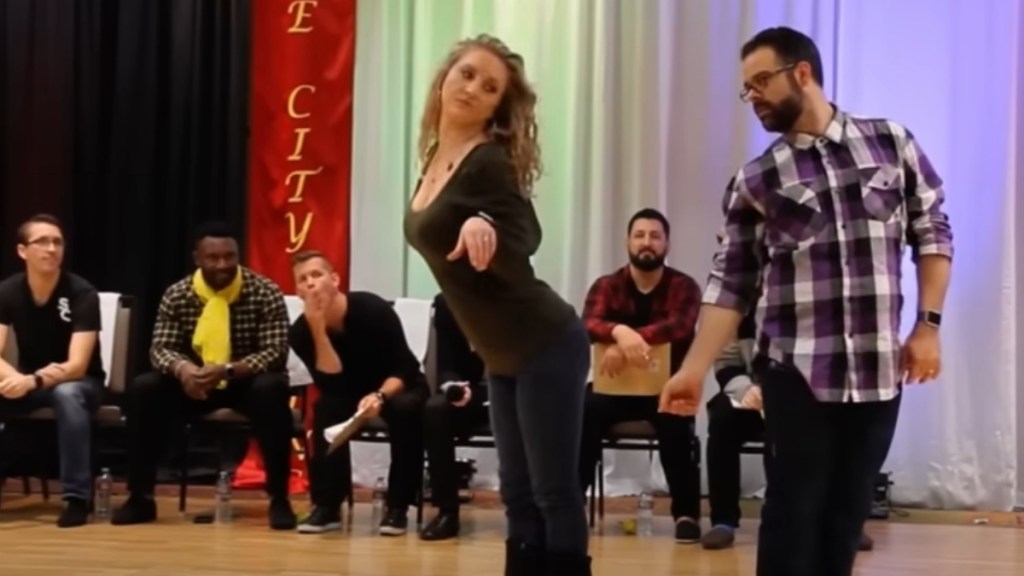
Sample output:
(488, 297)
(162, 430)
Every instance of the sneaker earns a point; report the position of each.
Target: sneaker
(395, 523)
(321, 520)
(75, 513)
(135, 510)
(687, 531)
(719, 537)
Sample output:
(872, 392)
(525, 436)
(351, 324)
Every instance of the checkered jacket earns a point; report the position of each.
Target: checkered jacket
(818, 228)
(259, 326)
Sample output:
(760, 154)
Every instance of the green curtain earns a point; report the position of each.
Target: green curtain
(580, 54)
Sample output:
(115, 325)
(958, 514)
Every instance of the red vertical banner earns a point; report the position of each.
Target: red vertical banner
(300, 145)
(300, 140)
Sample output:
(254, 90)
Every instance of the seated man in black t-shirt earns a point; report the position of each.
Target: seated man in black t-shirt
(644, 304)
(56, 320)
(456, 410)
(355, 348)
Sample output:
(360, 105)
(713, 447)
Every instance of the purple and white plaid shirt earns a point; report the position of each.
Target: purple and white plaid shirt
(815, 230)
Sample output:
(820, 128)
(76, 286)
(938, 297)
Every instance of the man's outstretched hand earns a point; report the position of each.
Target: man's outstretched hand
(682, 394)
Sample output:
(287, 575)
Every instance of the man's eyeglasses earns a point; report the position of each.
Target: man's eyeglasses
(760, 82)
(47, 242)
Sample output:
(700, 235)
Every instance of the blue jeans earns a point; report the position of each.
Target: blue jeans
(537, 418)
(74, 403)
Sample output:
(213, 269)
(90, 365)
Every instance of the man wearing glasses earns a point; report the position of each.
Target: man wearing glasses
(55, 317)
(817, 227)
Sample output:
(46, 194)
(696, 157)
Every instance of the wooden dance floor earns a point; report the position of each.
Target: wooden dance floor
(31, 545)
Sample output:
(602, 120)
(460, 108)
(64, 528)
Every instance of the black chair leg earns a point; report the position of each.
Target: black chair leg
(44, 482)
(307, 458)
(600, 487)
(93, 465)
(351, 496)
(3, 463)
(420, 498)
(592, 497)
(183, 472)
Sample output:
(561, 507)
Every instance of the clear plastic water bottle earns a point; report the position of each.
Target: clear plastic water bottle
(222, 510)
(380, 491)
(645, 514)
(104, 488)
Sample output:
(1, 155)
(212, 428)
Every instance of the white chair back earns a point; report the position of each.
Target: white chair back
(298, 373)
(118, 371)
(110, 302)
(415, 314)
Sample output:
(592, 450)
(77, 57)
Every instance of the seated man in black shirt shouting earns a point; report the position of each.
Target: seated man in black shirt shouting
(457, 409)
(56, 320)
(355, 348)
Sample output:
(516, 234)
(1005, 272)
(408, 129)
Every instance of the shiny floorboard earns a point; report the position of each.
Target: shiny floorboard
(31, 545)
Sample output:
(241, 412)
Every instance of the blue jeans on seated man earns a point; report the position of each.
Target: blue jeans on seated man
(73, 403)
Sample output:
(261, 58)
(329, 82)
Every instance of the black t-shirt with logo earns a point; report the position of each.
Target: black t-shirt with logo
(43, 332)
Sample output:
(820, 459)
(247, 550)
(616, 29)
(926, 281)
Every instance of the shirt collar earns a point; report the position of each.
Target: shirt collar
(627, 278)
(835, 132)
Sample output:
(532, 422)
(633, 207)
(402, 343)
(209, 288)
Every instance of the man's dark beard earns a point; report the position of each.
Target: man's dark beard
(649, 263)
(782, 116)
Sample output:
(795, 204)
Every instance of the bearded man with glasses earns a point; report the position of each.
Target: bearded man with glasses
(815, 232)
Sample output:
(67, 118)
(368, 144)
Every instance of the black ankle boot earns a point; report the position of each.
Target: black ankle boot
(522, 559)
(557, 563)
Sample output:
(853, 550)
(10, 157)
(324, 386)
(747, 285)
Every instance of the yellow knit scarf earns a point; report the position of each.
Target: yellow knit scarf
(212, 337)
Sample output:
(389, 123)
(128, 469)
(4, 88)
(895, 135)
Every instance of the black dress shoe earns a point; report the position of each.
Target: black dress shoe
(566, 564)
(280, 515)
(522, 559)
(444, 526)
(135, 510)
(76, 513)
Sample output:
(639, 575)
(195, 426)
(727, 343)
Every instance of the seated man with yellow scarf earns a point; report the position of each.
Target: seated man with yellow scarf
(220, 341)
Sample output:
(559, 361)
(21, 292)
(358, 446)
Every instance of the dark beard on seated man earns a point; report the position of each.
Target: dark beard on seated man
(646, 261)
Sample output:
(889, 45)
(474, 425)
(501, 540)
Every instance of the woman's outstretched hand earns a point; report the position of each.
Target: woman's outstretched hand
(478, 240)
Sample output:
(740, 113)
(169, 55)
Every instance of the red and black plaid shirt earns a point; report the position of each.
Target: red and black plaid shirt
(675, 304)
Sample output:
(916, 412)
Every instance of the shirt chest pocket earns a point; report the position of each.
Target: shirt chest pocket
(795, 217)
(881, 189)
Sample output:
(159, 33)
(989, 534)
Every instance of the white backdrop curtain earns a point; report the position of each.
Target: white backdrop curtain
(639, 107)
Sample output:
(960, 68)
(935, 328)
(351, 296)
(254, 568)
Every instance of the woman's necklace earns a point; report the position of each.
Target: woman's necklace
(434, 175)
(433, 178)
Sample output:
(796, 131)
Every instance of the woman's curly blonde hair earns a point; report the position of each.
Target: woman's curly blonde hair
(514, 124)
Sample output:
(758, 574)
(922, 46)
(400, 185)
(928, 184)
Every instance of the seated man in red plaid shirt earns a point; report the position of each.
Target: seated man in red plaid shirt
(637, 307)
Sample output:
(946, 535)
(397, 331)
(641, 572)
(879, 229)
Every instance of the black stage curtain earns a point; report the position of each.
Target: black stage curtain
(128, 120)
